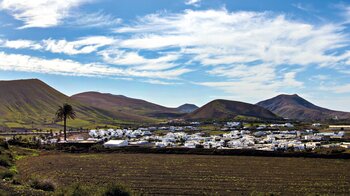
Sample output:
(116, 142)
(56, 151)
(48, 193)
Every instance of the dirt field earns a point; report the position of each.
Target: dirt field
(194, 174)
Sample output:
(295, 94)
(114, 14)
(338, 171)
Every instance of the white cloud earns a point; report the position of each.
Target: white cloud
(97, 19)
(290, 81)
(257, 53)
(40, 13)
(247, 52)
(253, 83)
(18, 44)
(245, 91)
(160, 82)
(118, 57)
(222, 37)
(17, 62)
(193, 2)
(340, 88)
(320, 77)
(257, 73)
(304, 7)
(345, 11)
(83, 45)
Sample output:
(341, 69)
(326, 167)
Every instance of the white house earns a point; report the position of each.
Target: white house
(116, 143)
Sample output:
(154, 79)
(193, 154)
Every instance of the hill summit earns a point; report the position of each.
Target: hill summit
(296, 107)
(225, 109)
(187, 108)
(25, 102)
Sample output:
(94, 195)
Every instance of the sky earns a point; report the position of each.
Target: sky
(172, 52)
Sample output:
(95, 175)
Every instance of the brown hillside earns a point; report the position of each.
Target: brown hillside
(33, 101)
(295, 107)
(123, 104)
(225, 109)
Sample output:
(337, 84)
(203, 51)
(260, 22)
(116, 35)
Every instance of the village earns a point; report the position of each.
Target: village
(272, 137)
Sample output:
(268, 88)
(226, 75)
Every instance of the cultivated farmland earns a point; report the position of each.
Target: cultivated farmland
(193, 174)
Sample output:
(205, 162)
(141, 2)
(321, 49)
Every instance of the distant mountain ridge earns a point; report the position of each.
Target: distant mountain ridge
(225, 109)
(295, 107)
(187, 108)
(27, 102)
(120, 103)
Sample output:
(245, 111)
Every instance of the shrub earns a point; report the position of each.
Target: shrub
(7, 174)
(4, 144)
(4, 193)
(45, 185)
(257, 193)
(72, 149)
(116, 190)
(77, 190)
(5, 161)
(16, 181)
(199, 146)
(97, 148)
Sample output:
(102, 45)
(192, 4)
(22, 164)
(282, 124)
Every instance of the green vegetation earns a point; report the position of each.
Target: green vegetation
(245, 118)
(79, 189)
(64, 113)
(119, 190)
(45, 185)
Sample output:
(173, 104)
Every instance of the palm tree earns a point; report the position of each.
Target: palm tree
(63, 113)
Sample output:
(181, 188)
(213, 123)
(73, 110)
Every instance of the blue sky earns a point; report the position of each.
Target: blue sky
(172, 52)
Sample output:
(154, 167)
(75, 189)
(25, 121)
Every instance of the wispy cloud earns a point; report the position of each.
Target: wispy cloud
(304, 7)
(26, 63)
(84, 45)
(91, 20)
(19, 44)
(135, 60)
(248, 49)
(217, 37)
(40, 13)
(160, 82)
(290, 81)
(340, 88)
(347, 13)
(193, 2)
(243, 51)
(252, 83)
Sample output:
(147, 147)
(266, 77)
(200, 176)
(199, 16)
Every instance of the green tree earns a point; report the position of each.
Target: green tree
(63, 113)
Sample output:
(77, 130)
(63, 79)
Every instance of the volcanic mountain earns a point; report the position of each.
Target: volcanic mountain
(187, 108)
(24, 102)
(126, 105)
(295, 107)
(225, 109)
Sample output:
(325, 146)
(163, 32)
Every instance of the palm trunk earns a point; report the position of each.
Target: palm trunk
(65, 128)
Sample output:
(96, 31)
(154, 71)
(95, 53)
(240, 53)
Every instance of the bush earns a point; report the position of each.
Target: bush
(5, 161)
(97, 148)
(4, 193)
(72, 149)
(76, 190)
(7, 174)
(257, 193)
(4, 144)
(45, 185)
(116, 190)
(16, 181)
